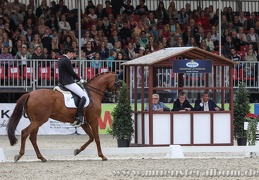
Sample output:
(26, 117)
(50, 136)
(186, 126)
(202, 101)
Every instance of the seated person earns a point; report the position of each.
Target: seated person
(182, 104)
(206, 104)
(157, 106)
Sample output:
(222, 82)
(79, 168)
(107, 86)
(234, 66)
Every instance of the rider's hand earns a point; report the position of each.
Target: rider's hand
(82, 81)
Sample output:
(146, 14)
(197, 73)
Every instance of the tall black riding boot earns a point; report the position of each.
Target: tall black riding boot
(80, 112)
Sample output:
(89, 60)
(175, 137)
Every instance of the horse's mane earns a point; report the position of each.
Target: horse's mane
(97, 75)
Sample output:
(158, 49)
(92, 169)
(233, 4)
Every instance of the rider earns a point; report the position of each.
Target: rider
(67, 77)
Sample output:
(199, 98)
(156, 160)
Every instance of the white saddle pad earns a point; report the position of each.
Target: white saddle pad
(68, 98)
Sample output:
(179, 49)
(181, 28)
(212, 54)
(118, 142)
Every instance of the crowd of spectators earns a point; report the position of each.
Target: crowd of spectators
(119, 31)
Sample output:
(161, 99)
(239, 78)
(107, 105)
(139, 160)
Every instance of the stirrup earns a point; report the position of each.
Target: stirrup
(78, 122)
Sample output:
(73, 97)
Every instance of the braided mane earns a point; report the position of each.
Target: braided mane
(97, 75)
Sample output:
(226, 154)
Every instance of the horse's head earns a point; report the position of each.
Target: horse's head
(114, 88)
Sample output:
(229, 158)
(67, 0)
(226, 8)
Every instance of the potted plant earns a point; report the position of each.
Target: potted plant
(241, 109)
(122, 122)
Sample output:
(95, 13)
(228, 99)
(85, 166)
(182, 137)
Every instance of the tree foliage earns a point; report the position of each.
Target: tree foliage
(241, 109)
(122, 123)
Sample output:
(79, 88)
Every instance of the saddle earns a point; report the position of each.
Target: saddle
(71, 99)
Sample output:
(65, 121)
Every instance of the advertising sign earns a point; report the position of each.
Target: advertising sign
(192, 66)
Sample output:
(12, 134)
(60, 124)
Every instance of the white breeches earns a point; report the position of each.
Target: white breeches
(75, 88)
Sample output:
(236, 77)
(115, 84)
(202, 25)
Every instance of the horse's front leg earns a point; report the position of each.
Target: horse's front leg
(94, 126)
(88, 131)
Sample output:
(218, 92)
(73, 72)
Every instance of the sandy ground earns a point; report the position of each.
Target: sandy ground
(135, 166)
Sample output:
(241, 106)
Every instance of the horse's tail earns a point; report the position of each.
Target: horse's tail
(15, 118)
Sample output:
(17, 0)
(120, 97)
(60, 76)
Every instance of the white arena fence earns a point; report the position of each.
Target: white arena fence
(247, 6)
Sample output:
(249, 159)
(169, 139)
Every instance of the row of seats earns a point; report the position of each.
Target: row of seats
(45, 72)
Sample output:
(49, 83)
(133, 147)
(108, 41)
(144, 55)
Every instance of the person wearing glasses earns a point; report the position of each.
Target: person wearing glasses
(157, 106)
(182, 104)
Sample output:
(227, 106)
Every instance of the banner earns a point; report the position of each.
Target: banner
(192, 66)
(53, 126)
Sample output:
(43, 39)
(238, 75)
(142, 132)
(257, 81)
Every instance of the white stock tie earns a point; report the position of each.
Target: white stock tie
(206, 106)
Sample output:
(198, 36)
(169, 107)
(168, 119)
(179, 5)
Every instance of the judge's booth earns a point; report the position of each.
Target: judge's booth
(169, 71)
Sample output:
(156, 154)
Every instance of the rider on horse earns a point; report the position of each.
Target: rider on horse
(67, 77)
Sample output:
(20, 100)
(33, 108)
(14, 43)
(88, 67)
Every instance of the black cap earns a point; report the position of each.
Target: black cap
(69, 49)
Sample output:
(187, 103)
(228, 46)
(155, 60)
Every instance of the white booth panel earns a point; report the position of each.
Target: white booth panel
(201, 128)
(139, 129)
(161, 129)
(146, 127)
(222, 128)
(182, 128)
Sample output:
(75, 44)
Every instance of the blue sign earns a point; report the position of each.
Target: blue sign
(192, 66)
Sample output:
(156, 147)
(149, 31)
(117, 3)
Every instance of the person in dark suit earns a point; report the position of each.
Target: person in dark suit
(67, 77)
(206, 104)
(182, 104)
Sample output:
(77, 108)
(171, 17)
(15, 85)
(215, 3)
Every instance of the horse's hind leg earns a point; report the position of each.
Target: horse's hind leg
(33, 138)
(24, 134)
(89, 132)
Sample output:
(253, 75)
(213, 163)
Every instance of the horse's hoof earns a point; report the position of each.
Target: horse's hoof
(43, 159)
(104, 158)
(76, 152)
(16, 158)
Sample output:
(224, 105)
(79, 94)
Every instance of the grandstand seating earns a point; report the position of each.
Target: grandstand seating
(44, 73)
(2, 73)
(89, 72)
(27, 72)
(14, 73)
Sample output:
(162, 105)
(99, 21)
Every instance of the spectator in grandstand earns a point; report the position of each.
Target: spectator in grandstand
(192, 43)
(128, 8)
(204, 22)
(118, 22)
(161, 14)
(72, 19)
(251, 46)
(36, 42)
(42, 8)
(76, 52)
(231, 27)
(118, 62)
(229, 14)
(141, 9)
(250, 56)
(17, 47)
(235, 40)
(252, 21)
(103, 51)
(183, 18)
(137, 30)
(116, 7)
(125, 33)
(209, 42)
(29, 35)
(62, 7)
(172, 11)
(114, 37)
(16, 16)
(136, 44)
(17, 3)
(129, 51)
(89, 6)
(199, 36)
(31, 5)
(235, 57)
(188, 9)
(206, 104)
(253, 38)
(156, 105)
(182, 104)
(179, 43)
(204, 46)
(54, 45)
(152, 44)
(38, 55)
(9, 9)
(154, 33)
(237, 23)
(224, 23)
(107, 10)
(42, 27)
(72, 35)
(224, 37)
(214, 36)
(215, 20)
(97, 62)
(46, 40)
(110, 61)
(92, 15)
(227, 46)
(249, 69)
(24, 57)
(68, 41)
(29, 15)
(52, 23)
(172, 26)
(166, 43)
(106, 26)
(7, 42)
(141, 52)
(107, 43)
(242, 36)
(118, 48)
(63, 24)
(89, 51)
(187, 35)
(99, 10)
(174, 39)
(243, 19)
(96, 44)
(86, 38)
(29, 25)
(6, 59)
(143, 39)
(24, 40)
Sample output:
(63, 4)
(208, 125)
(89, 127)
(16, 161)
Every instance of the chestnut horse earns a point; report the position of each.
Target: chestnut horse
(42, 104)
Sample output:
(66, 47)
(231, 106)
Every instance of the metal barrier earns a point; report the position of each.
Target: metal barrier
(250, 5)
(43, 73)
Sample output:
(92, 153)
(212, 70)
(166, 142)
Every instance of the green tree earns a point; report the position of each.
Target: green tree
(241, 109)
(122, 122)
